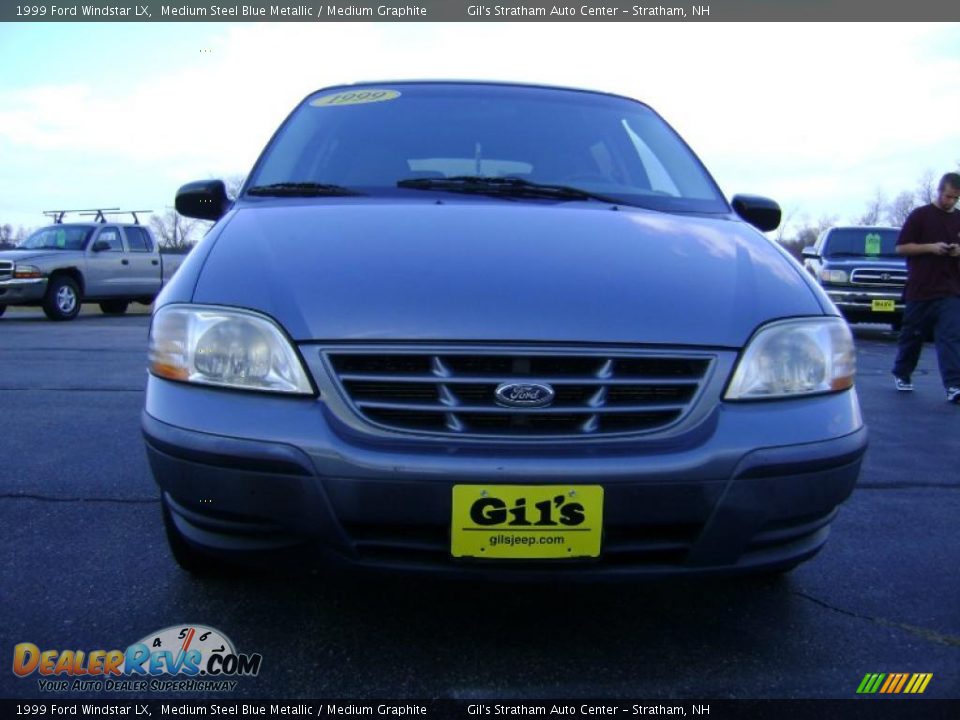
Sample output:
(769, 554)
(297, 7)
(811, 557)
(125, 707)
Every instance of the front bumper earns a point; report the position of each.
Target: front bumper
(753, 487)
(22, 292)
(858, 305)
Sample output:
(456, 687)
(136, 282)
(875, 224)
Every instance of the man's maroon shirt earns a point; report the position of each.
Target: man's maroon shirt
(930, 277)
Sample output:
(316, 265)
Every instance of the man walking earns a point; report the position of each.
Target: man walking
(930, 240)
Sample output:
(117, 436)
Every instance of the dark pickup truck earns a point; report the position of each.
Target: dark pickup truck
(861, 272)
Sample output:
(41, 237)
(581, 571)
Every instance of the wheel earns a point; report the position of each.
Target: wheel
(188, 557)
(114, 307)
(3, 309)
(62, 301)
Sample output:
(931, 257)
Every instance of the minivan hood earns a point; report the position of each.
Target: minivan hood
(486, 270)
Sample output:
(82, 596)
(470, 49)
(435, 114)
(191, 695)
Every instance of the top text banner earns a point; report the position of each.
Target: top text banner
(462, 11)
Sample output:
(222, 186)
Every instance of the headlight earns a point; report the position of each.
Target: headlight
(834, 276)
(224, 347)
(795, 357)
(26, 272)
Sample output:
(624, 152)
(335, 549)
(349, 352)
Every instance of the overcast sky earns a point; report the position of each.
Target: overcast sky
(816, 116)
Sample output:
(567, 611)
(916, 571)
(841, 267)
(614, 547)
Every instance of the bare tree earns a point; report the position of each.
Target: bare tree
(874, 210)
(785, 220)
(174, 232)
(807, 233)
(10, 238)
(900, 207)
(234, 183)
(926, 191)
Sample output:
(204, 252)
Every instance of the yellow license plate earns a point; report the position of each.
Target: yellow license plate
(526, 522)
(883, 306)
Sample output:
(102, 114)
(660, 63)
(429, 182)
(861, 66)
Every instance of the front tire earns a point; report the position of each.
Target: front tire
(114, 307)
(62, 301)
(3, 309)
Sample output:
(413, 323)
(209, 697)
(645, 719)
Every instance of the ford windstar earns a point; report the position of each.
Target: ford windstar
(494, 330)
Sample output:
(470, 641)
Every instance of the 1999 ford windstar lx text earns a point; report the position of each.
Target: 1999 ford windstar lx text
(495, 329)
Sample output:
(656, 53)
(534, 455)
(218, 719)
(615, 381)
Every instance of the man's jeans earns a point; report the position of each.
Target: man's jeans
(943, 317)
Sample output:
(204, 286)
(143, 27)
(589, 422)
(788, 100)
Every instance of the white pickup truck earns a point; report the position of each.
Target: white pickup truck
(63, 265)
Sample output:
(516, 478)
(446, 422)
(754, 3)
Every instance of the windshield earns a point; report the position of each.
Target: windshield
(370, 138)
(860, 242)
(58, 237)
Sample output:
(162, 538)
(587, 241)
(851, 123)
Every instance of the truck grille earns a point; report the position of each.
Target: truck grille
(6, 269)
(878, 278)
(454, 392)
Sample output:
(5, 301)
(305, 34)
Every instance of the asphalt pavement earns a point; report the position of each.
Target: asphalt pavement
(84, 565)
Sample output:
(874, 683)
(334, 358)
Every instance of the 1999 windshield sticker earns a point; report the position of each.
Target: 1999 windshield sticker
(176, 659)
(355, 97)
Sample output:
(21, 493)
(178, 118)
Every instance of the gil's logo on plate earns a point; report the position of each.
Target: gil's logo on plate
(198, 656)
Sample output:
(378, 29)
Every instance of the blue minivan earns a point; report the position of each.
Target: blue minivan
(494, 330)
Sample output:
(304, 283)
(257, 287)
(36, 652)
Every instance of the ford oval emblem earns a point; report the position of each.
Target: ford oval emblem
(533, 395)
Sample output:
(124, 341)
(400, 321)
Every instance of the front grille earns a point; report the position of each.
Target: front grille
(454, 392)
(6, 269)
(878, 278)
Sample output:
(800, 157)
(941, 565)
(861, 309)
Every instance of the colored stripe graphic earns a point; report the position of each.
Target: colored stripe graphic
(894, 683)
(918, 683)
(870, 684)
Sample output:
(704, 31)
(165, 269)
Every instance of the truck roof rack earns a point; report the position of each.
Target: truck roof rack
(57, 215)
(99, 214)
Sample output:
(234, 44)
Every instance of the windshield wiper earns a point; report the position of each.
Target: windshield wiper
(301, 189)
(504, 187)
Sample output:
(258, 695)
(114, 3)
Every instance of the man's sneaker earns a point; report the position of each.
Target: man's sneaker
(953, 395)
(906, 385)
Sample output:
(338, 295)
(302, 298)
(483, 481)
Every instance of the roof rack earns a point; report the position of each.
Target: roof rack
(57, 215)
(99, 214)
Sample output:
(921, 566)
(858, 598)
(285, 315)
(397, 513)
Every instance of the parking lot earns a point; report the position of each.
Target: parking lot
(84, 565)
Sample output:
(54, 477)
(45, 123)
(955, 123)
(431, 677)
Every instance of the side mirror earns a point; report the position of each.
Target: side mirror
(204, 200)
(100, 246)
(763, 213)
(809, 252)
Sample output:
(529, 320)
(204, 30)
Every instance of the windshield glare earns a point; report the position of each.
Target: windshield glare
(599, 143)
(862, 241)
(58, 237)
